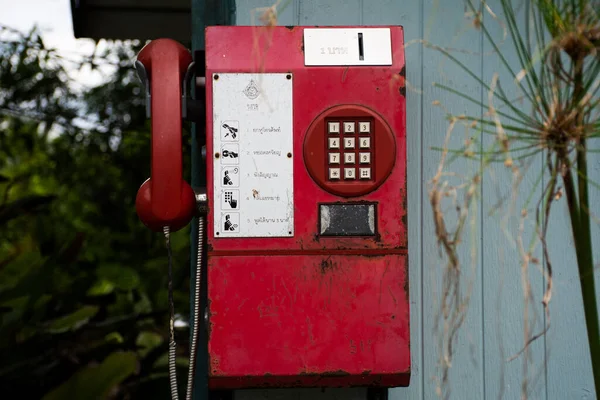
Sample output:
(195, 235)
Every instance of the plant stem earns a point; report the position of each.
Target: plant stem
(583, 237)
(583, 250)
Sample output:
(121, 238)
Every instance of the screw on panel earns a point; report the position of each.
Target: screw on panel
(288, 76)
(289, 155)
(217, 155)
(216, 77)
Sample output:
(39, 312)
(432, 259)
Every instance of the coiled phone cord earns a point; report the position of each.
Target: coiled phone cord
(197, 319)
(197, 316)
(172, 345)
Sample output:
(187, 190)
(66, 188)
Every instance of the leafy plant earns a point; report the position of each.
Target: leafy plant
(82, 281)
(557, 76)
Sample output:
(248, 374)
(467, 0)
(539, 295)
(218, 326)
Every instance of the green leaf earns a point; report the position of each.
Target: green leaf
(101, 287)
(114, 337)
(74, 320)
(96, 382)
(123, 278)
(147, 341)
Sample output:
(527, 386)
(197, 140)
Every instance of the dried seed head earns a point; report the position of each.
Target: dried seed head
(558, 194)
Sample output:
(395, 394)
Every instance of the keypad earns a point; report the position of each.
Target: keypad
(349, 149)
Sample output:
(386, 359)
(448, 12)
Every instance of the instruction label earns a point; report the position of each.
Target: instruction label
(253, 155)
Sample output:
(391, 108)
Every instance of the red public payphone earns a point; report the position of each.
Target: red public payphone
(306, 223)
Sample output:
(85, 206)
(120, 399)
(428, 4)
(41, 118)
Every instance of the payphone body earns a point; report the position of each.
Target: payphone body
(307, 221)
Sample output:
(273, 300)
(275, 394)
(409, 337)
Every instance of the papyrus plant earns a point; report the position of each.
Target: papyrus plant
(555, 114)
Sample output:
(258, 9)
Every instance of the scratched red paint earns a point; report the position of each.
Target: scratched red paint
(309, 310)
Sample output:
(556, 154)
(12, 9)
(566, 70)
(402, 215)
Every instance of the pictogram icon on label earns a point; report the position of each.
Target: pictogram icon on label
(230, 199)
(231, 222)
(230, 131)
(230, 154)
(230, 177)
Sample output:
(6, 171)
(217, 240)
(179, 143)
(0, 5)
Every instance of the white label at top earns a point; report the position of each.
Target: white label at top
(347, 46)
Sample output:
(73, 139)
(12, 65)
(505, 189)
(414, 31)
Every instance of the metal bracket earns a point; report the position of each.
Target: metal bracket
(201, 201)
(143, 76)
(191, 109)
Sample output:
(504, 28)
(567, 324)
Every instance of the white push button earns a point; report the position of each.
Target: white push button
(334, 173)
(334, 127)
(365, 142)
(334, 158)
(349, 143)
(365, 173)
(349, 158)
(364, 127)
(349, 127)
(349, 173)
(365, 158)
(334, 143)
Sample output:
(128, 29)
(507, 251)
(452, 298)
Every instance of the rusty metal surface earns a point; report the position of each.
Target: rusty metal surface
(312, 320)
(312, 310)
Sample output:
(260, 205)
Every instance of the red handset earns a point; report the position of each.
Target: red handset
(165, 199)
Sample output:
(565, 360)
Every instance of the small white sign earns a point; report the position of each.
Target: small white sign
(253, 172)
(347, 46)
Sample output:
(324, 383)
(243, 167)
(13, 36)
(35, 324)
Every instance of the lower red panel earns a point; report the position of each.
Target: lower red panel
(317, 320)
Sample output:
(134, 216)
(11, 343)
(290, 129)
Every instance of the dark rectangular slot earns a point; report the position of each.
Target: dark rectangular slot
(361, 50)
(345, 219)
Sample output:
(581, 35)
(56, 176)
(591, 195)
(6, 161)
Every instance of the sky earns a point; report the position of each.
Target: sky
(53, 18)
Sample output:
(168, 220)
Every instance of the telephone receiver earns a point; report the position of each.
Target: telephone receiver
(165, 200)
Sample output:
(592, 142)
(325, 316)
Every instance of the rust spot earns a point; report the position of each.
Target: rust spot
(406, 280)
(372, 255)
(327, 265)
(254, 193)
(405, 204)
(290, 27)
(403, 72)
(402, 91)
(318, 374)
(214, 361)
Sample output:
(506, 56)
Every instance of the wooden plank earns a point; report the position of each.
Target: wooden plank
(409, 14)
(504, 302)
(329, 12)
(249, 12)
(445, 25)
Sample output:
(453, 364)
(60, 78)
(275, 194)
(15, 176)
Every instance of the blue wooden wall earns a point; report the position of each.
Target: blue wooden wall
(559, 364)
